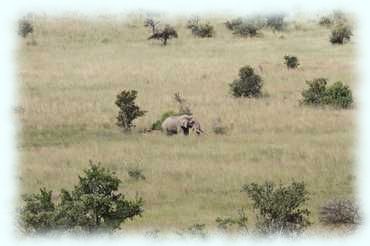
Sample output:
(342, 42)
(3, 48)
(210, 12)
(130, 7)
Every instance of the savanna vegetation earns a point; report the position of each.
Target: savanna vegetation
(78, 70)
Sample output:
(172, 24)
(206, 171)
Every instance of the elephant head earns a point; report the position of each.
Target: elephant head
(195, 125)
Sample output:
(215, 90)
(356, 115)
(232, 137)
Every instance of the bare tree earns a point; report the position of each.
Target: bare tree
(152, 24)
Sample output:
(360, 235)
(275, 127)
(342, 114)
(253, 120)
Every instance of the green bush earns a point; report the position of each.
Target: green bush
(326, 21)
(203, 30)
(340, 34)
(157, 124)
(339, 212)
(24, 28)
(279, 209)
(249, 84)
(337, 95)
(245, 27)
(129, 111)
(291, 61)
(93, 205)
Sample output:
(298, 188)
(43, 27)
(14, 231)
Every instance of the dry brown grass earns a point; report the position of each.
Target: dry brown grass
(68, 84)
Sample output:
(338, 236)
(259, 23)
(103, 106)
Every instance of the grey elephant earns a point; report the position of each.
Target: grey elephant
(181, 124)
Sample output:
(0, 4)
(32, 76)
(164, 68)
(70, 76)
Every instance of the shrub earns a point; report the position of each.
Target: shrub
(276, 22)
(249, 84)
(227, 223)
(291, 61)
(136, 173)
(167, 33)
(337, 95)
(340, 34)
(196, 230)
(316, 92)
(157, 125)
(279, 209)
(93, 205)
(326, 21)
(192, 22)
(339, 212)
(24, 28)
(218, 127)
(203, 30)
(129, 111)
(245, 27)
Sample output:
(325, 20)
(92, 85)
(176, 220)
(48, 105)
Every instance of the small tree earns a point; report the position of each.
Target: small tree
(316, 91)
(340, 34)
(167, 33)
(93, 205)
(338, 95)
(276, 22)
(279, 209)
(24, 28)
(291, 62)
(129, 111)
(249, 84)
(152, 24)
(184, 107)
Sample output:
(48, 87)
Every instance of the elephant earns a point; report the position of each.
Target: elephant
(181, 124)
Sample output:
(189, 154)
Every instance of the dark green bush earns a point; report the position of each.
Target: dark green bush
(165, 34)
(340, 34)
(93, 205)
(279, 209)
(203, 30)
(316, 91)
(157, 125)
(129, 111)
(337, 95)
(24, 28)
(291, 61)
(249, 84)
(339, 212)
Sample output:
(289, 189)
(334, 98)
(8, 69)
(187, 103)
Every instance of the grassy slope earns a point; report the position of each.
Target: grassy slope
(68, 84)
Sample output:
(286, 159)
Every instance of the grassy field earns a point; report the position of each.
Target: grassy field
(69, 80)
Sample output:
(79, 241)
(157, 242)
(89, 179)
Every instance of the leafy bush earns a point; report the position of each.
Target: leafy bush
(157, 125)
(291, 61)
(24, 28)
(249, 84)
(326, 21)
(167, 33)
(203, 30)
(279, 209)
(226, 224)
(93, 205)
(339, 212)
(218, 127)
(245, 27)
(136, 173)
(316, 92)
(276, 22)
(129, 111)
(340, 34)
(337, 95)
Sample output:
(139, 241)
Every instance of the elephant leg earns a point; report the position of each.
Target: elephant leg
(185, 131)
(171, 132)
